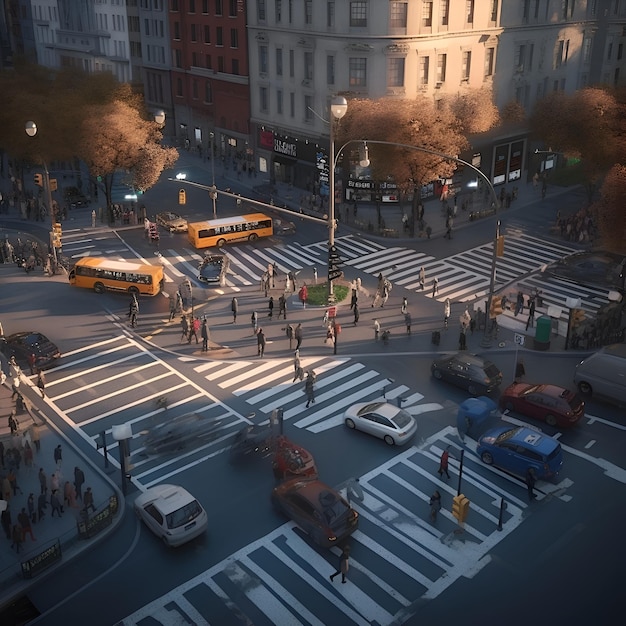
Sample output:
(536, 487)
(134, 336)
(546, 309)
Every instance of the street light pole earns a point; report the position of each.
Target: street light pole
(338, 108)
(213, 192)
(486, 340)
(31, 131)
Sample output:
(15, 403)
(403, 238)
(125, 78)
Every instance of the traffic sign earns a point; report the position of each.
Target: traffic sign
(519, 339)
(334, 274)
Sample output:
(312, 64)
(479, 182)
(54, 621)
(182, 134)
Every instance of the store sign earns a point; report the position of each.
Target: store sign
(287, 148)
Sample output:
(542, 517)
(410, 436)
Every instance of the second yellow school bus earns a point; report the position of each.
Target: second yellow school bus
(226, 229)
(101, 274)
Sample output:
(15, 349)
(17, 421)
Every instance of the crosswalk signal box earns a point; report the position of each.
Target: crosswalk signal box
(460, 507)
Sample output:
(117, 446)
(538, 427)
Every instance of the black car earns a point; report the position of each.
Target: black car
(22, 345)
(213, 269)
(468, 371)
(596, 269)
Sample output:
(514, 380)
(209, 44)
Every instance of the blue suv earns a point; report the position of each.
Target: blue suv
(517, 449)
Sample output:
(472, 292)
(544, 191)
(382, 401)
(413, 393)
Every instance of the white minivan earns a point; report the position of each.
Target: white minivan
(603, 374)
(171, 513)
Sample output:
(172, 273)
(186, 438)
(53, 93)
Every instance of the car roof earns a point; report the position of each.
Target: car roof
(166, 498)
(530, 438)
(470, 359)
(314, 491)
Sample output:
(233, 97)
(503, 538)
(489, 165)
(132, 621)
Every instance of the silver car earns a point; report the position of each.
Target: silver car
(172, 222)
(383, 420)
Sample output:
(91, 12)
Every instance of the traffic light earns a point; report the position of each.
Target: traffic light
(57, 232)
(500, 245)
(38, 180)
(578, 316)
(182, 197)
(460, 507)
(495, 308)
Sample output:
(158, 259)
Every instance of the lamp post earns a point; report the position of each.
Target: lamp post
(338, 108)
(31, 131)
(213, 191)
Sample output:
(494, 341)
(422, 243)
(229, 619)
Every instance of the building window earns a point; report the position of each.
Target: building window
(531, 54)
(279, 61)
(208, 62)
(192, 6)
(177, 31)
(395, 72)
(234, 38)
(235, 64)
(260, 10)
(207, 34)
(494, 10)
(397, 14)
(292, 104)
(220, 64)
(263, 66)
(205, 10)
(489, 56)
(194, 89)
(308, 66)
(358, 72)
(330, 70)
(232, 8)
(279, 101)
(219, 36)
(218, 7)
(358, 14)
(194, 33)
(424, 63)
(427, 14)
(620, 51)
(292, 63)
(308, 106)
(469, 11)
(263, 99)
(278, 10)
(208, 92)
(562, 51)
(330, 14)
(308, 12)
(290, 9)
(587, 43)
(520, 57)
(444, 11)
(194, 59)
(466, 65)
(178, 58)
(179, 87)
(442, 60)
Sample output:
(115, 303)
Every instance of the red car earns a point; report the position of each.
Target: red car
(554, 405)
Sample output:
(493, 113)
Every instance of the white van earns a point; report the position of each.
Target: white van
(171, 513)
(603, 374)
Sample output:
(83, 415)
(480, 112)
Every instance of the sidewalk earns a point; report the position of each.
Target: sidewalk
(57, 541)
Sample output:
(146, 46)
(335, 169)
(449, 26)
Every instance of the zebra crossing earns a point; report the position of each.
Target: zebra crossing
(340, 382)
(398, 559)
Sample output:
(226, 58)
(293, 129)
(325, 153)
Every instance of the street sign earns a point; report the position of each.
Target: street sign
(334, 274)
(519, 339)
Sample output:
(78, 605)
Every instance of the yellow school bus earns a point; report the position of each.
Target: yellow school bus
(220, 231)
(102, 274)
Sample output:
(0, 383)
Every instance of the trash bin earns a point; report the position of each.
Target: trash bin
(542, 333)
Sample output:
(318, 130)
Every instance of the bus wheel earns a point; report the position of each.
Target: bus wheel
(220, 243)
(253, 237)
(98, 288)
(133, 290)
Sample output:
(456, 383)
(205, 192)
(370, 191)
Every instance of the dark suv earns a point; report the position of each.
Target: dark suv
(468, 371)
(213, 269)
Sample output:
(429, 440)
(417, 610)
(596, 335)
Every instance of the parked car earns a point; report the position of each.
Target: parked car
(552, 404)
(21, 345)
(603, 374)
(468, 371)
(383, 420)
(319, 510)
(172, 514)
(172, 222)
(594, 268)
(516, 449)
(213, 269)
(283, 226)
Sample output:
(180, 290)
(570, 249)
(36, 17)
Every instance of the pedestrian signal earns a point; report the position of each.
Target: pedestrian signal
(460, 507)
(182, 197)
(495, 307)
(38, 180)
(500, 245)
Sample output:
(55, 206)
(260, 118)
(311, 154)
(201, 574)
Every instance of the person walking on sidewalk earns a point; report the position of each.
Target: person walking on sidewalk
(88, 500)
(42, 505)
(344, 565)
(405, 306)
(194, 327)
(133, 311)
(422, 277)
(435, 287)
(443, 463)
(356, 314)
(531, 314)
(446, 313)
(55, 504)
(298, 336)
(204, 333)
(25, 523)
(184, 326)
(435, 506)
(43, 481)
(41, 383)
(309, 387)
(79, 479)
(270, 306)
(17, 536)
(58, 456)
(234, 307)
(260, 340)
(298, 372)
(282, 306)
(530, 483)
(376, 330)
(407, 321)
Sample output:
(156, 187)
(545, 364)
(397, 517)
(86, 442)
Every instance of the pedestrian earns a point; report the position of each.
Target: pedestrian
(519, 304)
(530, 483)
(405, 306)
(58, 456)
(435, 287)
(12, 423)
(282, 306)
(133, 311)
(354, 299)
(356, 314)
(17, 536)
(309, 388)
(194, 327)
(443, 463)
(376, 330)
(274, 274)
(184, 326)
(41, 383)
(422, 277)
(7, 491)
(297, 368)
(69, 495)
(462, 338)
(270, 273)
(435, 506)
(254, 318)
(30, 503)
(173, 302)
(88, 500)
(43, 481)
(531, 314)
(32, 359)
(34, 436)
(407, 321)
(344, 565)
(234, 307)
(270, 306)
(260, 341)
(28, 454)
(42, 505)
(12, 478)
(287, 283)
(448, 234)
(446, 313)
(204, 332)
(24, 522)
(520, 370)
(54, 482)
(79, 479)
(298, 336)
(55, 504)
(315, 275)
(5, 520)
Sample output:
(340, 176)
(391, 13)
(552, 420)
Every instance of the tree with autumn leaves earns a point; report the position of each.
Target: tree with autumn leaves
(91, 117)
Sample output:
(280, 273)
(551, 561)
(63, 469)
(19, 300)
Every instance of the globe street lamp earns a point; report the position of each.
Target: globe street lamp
(338, 108)
(31, 131)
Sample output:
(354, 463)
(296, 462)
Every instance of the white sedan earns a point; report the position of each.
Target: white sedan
(383, 420)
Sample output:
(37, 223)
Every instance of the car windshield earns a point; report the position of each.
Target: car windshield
(370, 408)
(507, 434)
(491, 370)
(184, 515)
(402, 419)
(332, 507)
(531, 389)
(573, 400)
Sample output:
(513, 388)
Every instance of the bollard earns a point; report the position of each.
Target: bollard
(400, 401)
